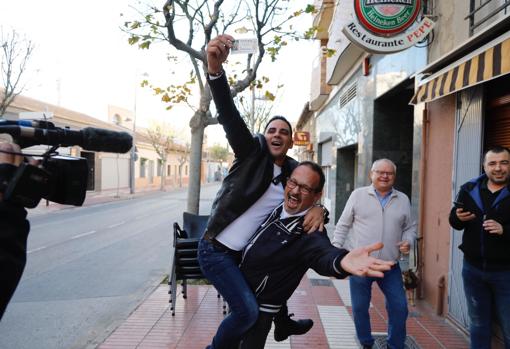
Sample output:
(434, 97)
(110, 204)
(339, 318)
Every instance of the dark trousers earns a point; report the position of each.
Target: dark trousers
(257, 335)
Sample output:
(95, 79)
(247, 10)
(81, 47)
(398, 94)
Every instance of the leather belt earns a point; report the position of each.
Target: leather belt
(219, 245)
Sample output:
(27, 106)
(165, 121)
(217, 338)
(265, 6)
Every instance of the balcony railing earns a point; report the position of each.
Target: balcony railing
(484, 12)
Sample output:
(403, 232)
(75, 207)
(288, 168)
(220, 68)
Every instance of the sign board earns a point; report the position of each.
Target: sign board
(387, 26)
(301, 138)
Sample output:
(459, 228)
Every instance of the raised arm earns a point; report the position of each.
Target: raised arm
(238, 135)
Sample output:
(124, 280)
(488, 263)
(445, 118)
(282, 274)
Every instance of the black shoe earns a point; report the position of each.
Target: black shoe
(367, 347)
(284, 327)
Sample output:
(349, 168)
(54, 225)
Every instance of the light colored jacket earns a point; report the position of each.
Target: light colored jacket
(364, 222)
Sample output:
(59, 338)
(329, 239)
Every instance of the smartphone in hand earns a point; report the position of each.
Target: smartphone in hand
(458, 204)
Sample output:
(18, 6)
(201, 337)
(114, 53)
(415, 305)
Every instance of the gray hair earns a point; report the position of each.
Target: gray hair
(379, 161)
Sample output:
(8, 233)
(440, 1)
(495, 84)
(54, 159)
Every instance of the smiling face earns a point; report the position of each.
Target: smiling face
(382, 176)
(279, 140)
(496, 166)
(300, 191)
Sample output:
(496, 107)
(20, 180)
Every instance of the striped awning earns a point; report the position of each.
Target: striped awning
(491, 62)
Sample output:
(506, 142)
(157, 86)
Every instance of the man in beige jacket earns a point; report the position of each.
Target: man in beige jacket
(378, 213)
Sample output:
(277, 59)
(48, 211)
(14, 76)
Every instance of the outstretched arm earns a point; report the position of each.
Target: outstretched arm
(359, 262)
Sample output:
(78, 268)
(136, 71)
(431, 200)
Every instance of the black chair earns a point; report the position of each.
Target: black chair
(185, 263)
(194, 225)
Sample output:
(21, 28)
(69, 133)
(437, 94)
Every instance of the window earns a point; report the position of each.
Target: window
(143, 167)
(169, 170)
(186, 170)
(117, 119)
(159, 169)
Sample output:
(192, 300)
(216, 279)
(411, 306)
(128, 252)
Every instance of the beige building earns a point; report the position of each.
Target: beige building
(110, 171)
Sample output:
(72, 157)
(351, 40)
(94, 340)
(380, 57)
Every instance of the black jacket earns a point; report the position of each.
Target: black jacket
(481, 248)
(280, 253)
(252, 170)
(14, 230)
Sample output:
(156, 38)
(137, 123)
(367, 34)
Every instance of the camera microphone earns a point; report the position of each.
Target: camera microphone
(98, 139)
(89, 138)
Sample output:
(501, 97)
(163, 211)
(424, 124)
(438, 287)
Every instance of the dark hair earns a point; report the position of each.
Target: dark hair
(279, 117)
(496, 149)
(317, 169)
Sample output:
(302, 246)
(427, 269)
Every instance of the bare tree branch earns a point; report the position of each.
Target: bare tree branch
(16, 53)
(169, 13)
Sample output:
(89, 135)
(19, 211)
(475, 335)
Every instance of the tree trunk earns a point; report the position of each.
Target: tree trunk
(197, 137)
(163, 175)
(180, 175)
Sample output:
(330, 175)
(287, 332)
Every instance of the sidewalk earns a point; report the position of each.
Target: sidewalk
(93, 198)
(326, 301)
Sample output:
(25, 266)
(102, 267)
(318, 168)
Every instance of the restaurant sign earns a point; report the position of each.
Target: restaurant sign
(301, 138)
(387, 26)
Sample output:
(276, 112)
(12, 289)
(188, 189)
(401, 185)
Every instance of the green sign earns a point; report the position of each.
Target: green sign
(387, 17)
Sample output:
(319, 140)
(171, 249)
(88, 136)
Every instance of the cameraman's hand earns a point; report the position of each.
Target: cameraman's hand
(12, 159)
(217, 52)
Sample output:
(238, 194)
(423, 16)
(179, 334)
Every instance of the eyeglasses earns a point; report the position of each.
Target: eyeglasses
(384, 173)
(303, 188)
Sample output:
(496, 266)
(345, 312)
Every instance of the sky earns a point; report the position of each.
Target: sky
(82, 62)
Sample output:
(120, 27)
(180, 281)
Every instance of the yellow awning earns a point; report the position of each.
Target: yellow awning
(489, 64)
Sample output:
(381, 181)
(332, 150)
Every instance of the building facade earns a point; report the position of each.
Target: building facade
(462, 107)
(360, 109)
(433, 109)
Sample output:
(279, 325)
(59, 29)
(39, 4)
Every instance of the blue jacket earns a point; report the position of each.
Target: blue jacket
(481, 248)
(280, 253)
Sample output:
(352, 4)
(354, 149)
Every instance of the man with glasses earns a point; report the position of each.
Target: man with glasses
(374, 213)
(253, 187)
(280, 252)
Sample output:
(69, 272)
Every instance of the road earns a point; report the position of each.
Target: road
(89, 267)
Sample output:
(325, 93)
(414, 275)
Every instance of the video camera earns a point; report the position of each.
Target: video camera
(61, 179)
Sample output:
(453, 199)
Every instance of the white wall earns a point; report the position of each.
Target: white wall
(114, 171)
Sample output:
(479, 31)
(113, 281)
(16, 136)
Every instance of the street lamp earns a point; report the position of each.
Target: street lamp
(132, 159)
(132, 156)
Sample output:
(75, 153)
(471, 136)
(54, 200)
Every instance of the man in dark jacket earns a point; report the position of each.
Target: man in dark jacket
(252, 189)
(482, 210)
(280, 253)
(14, 230)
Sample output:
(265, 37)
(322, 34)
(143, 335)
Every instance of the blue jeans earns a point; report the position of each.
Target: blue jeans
(486, 291)
(222, 270)
(396, 306)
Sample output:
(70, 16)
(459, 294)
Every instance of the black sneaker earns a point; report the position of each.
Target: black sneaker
(284, 327)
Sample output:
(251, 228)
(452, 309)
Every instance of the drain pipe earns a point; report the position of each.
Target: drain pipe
(441, 285)
(423, 166)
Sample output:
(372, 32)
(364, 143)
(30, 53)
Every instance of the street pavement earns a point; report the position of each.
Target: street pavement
(326, 301)
(89, 267)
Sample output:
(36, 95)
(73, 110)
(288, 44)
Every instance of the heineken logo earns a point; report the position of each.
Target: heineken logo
(387, 17)
(387, 26)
